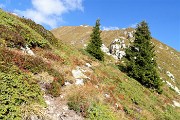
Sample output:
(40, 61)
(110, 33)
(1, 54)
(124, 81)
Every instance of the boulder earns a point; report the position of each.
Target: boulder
(27, 50)
(117, 48)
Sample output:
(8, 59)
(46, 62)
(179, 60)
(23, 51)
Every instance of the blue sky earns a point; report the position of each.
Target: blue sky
(163, 16)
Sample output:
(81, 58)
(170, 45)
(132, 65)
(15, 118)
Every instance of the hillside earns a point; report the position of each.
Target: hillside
(43, 78)
(168, 59)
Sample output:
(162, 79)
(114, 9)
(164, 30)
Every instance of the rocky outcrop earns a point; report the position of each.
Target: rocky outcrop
(171, 76)
(105, 49)
(117, 48)
(27, 50)
(173, 87)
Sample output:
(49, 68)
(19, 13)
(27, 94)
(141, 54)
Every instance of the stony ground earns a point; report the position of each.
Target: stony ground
(58, 109)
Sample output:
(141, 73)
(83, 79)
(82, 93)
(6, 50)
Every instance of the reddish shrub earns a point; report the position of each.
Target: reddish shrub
(52, 56)
(54, 88)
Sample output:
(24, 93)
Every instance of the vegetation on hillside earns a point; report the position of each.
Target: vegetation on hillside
(18, 86)
(108, 93)
(141, 64)
(94, 47)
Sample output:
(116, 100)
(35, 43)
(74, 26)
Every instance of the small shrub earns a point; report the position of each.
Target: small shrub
(99, 111)
(17, 89)
(41, 30)
(50, 55)
(82, 98)
(54, 88)
(11, 38)
(32, 64)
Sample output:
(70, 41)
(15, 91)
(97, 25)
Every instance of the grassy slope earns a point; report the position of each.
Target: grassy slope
(167, 58)
(128, 99)
(20, 91)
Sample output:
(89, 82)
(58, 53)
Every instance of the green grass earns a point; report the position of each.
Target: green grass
(12, 28)
(17, 89)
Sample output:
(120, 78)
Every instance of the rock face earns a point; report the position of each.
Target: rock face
(173, 87)
(117, 48)
(79, 75)
(27, 50)
(176, 104)
(58, 110)
(105, 49)
(130, 34)
(170, 75)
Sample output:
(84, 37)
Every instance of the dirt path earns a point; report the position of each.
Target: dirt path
(58, 109)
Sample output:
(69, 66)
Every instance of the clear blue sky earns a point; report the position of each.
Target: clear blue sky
(163, 16)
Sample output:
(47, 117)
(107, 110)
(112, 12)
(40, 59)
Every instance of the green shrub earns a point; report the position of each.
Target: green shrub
(16, 33)
(28, 63)
(54, 88)
(41, 30)
(98, 111)
(17, 89)
(12, 38)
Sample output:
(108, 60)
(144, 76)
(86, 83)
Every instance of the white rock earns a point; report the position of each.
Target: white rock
(130, 35)
(48, 102)
(15, 14)
(173, 87)
(170, 75)
(104, 48)
(107, 95)
(124, 46)
(125, 32)
(122, 38)
(177, 104)
(88, 65)
(116, 105)
(78, 74)
(61, 96)
(65, 108)
(27, 50)
(115, 57)
(34, 117)
(137, 48)
(121, 54)
(96, 86)
(67, 83)
(116, 40)
(79, 82)
(161, 46)
(85, 45)
(116, 48)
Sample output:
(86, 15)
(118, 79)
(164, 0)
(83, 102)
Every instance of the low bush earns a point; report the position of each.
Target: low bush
(54, 88)
(98, 111)
(81, 99)
(17, 34)
(17, 89)
(32, 64)
(41, 30)
(11, 38)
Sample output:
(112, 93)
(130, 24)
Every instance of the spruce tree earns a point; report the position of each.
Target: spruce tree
(94, 46)
(141, 64)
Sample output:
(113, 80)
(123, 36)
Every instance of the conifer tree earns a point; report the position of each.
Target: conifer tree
(94, 47)
(141, 64)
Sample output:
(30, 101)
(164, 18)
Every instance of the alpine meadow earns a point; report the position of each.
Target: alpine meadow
(83, 72)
